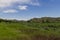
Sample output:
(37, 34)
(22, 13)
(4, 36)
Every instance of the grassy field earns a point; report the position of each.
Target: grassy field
(29, 31)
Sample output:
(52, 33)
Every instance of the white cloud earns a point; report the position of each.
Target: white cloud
(35, 2)
(22, 7)
(10, 5)
(10, 11)
(4, 3)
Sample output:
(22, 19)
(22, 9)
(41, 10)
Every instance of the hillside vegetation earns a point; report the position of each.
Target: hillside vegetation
(45, 28)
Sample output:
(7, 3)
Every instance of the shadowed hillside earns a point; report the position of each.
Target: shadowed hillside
(45, 20)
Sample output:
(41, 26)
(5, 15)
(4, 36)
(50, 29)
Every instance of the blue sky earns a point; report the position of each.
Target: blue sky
(27, 9)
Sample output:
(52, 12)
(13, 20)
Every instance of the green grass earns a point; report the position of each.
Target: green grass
(24, 31)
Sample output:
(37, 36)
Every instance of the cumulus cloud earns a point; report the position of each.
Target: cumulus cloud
(23, 7)
(10, 11)
(4, 3)
(21, 4)
(35, 2)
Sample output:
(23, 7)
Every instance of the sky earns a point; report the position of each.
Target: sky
(27, 9)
